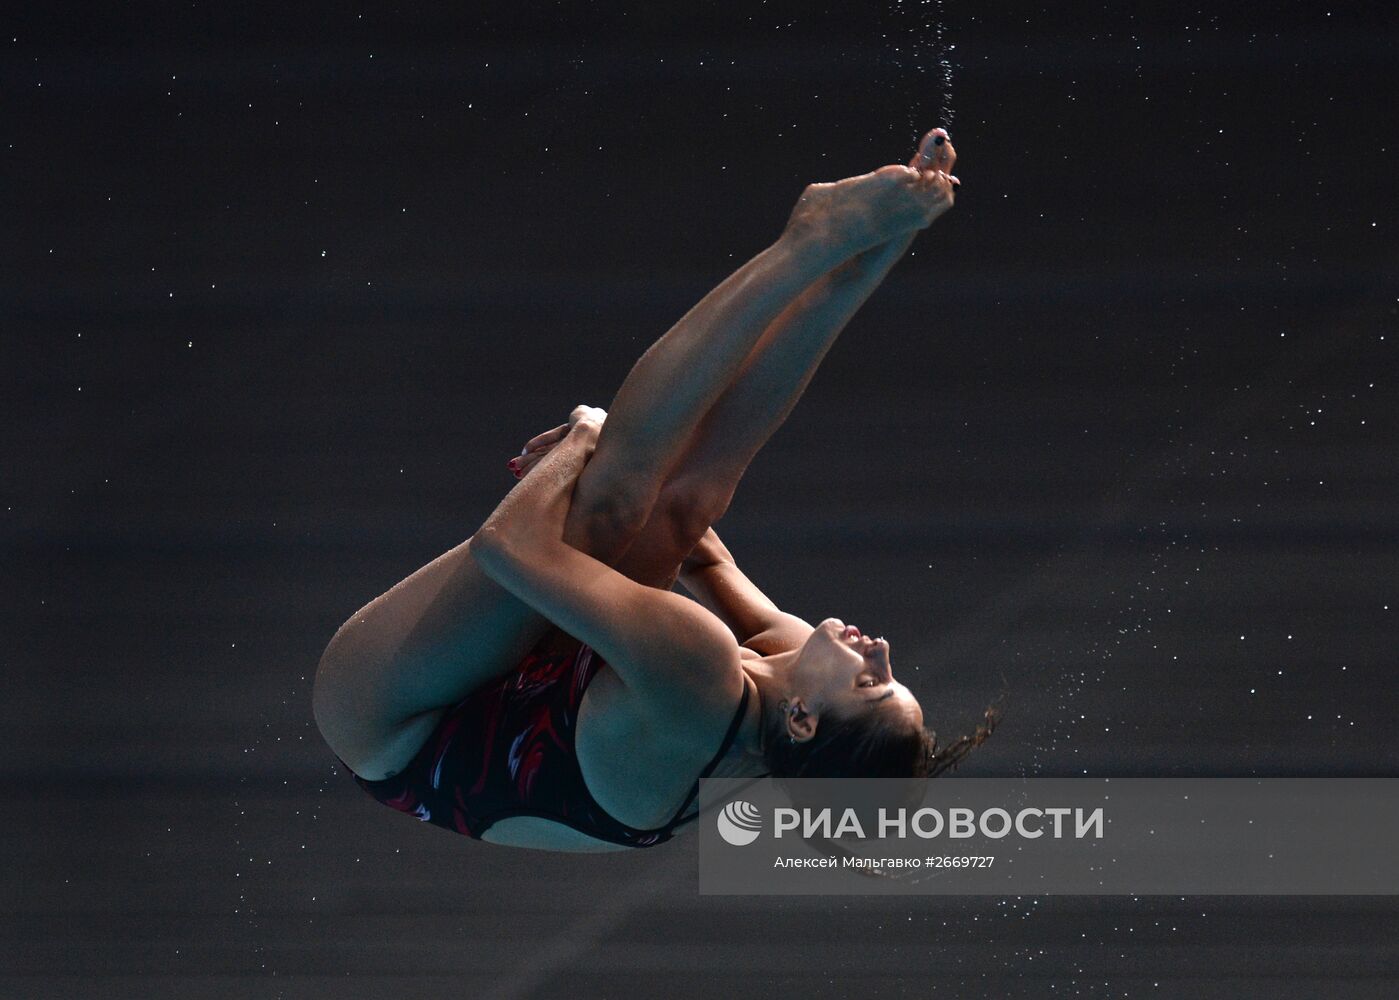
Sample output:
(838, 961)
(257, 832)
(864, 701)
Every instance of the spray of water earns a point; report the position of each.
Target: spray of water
(922, 59)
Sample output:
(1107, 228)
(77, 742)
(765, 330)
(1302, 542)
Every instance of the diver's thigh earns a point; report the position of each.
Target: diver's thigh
(381, 687)
(670, 535)
(390, 667)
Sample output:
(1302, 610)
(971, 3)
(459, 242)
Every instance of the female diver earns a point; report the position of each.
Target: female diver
(540, 685)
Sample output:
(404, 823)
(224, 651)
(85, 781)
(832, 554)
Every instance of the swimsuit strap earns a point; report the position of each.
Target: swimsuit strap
(723, 749)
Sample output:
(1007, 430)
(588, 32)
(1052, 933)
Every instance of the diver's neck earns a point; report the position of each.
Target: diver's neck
(768, 680)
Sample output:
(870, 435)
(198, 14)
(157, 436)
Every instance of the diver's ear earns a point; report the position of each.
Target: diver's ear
(801, 724)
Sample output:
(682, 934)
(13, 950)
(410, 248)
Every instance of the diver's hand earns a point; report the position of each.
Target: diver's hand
(588, 420)
(587, 416)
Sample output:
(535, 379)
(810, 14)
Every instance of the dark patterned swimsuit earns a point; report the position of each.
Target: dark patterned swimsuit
(508, 750)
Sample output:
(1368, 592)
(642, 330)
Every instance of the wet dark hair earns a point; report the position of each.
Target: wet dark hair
(869, 744)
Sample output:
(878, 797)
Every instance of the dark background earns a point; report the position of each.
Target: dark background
(284, 287)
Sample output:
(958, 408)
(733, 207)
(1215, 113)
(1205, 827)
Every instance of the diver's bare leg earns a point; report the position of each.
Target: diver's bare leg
(681, 377)
(703, 480)
(676, 381)
(768, 385)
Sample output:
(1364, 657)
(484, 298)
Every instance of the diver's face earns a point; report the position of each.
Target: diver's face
(841, 670)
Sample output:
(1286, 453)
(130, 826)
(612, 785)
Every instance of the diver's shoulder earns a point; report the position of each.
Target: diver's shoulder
(784, 632)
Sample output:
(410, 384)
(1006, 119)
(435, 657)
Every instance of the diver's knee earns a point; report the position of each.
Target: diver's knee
(604, 525)
(692, 506)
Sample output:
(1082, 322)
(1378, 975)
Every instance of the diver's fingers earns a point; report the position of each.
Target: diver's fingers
(550, 437)
(535, 454)
(521, 464)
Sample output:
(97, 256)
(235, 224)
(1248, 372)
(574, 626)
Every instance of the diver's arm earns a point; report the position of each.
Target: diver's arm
(534, 512)
(667, 649)
(540, 502)
(713, 579)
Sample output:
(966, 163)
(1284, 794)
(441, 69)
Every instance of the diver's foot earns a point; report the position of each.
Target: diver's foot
(935, 152)
(852, 215)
